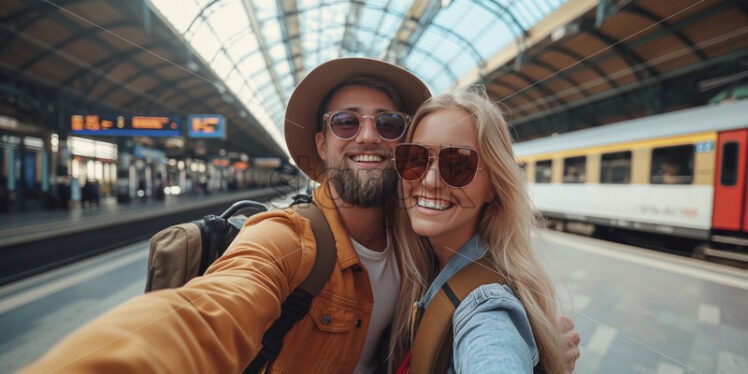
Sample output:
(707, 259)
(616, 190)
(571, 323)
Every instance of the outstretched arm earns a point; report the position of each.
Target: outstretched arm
(492, 333)
(213, 324)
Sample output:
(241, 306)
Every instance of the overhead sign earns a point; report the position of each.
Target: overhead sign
(206, 126)
(241, 165)
(112, 125)
(221, 163)
(267, 162)
(92, 148)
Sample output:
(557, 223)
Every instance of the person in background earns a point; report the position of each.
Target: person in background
(4, 198)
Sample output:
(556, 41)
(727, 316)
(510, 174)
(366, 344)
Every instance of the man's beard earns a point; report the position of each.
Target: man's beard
(371, 187)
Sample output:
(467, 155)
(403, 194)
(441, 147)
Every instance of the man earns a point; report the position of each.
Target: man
(215, 323)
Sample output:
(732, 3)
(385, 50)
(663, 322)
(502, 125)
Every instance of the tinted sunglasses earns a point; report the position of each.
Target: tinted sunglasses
(345, 124)
(457, 165)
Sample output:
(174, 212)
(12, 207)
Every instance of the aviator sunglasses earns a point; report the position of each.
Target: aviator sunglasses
(457, 165)
(345, 124)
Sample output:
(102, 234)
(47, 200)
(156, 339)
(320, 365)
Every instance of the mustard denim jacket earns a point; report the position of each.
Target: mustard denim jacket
(215, 323)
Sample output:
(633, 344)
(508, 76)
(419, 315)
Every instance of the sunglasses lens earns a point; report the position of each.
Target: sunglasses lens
(458, 166)
(344, 124)
(411, 161)
(390, 125)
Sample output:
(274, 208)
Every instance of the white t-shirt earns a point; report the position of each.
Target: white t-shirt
(384, 277)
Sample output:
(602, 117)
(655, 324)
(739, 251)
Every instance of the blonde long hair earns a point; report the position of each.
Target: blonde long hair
(505, 228)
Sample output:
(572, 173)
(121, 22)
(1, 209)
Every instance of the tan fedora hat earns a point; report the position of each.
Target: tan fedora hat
(301, 121)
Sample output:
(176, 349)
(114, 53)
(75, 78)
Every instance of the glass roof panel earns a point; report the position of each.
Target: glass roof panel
(542, 6)
(222, 65)
(445, 44)
(179, 13)
(485, 43)
(227, 20)
(282, 68)
(370, 17)
(205, 41)
(241, 44)
(265, 9)
(235, 81)
(251, 63)
(272, 32)
(261, 79)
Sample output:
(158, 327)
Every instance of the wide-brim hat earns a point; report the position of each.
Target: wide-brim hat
(302, 111)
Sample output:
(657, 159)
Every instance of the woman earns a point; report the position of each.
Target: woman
(465, 199)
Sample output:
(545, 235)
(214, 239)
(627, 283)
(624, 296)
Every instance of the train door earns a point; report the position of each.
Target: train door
(730, 183)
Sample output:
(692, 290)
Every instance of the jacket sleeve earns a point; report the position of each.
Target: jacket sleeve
(213, 324)
(492, 333)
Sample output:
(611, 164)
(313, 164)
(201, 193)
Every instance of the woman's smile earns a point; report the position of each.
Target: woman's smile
(447, 215)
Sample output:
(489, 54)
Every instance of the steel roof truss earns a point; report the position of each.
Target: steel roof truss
(350, 40)
(95, 39)
(561, 74)
(632, 59)
(112, 60)
(667, 26)
(249, 8)
(69, 41)
(416, 20)
(291, 37)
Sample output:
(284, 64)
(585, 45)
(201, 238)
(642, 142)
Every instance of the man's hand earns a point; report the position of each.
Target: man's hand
(570, 343)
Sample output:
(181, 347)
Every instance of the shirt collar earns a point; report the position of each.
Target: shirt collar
(471, 251)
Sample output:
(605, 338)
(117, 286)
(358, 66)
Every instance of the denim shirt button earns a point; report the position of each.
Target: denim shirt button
(326, 320)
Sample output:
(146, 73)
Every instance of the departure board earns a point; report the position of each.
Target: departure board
(114, 125)
(221, 163)
(206, 126)
(240, 165)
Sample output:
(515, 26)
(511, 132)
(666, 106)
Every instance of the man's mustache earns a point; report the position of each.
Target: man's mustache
(382, 151)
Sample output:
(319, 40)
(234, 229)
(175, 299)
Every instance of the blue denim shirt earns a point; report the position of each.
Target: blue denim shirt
(491, 331)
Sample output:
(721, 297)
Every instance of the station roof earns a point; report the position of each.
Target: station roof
(261, 49)
(596, 62)
(89, 56)
(242, 58)
(538, 58)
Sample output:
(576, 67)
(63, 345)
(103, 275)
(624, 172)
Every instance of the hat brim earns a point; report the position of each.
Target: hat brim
(301, 120)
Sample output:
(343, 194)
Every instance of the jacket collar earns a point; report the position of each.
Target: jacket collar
(470, 252)
(346, 254)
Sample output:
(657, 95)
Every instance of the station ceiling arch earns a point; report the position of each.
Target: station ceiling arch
(242, 58)
(261, 49)
(601, 61)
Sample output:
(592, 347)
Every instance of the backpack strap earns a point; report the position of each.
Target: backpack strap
(297, 304)
(432, 341)
(326, 249)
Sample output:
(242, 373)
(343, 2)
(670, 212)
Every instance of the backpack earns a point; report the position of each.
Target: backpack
(182, 252)
(431, 329)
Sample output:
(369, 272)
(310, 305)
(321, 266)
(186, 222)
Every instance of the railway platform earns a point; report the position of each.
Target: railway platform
(21, 227)
(39, 241)
(637, 311)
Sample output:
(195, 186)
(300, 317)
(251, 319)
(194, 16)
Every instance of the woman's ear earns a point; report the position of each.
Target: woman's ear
(319, 138)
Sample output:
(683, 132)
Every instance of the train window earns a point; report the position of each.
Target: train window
(543, 171)
(729, 174)
(575, 169)
(616, 168)
(523, 170)
(672, 165)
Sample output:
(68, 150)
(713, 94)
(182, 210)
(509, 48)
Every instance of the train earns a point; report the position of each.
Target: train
(680, 174)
